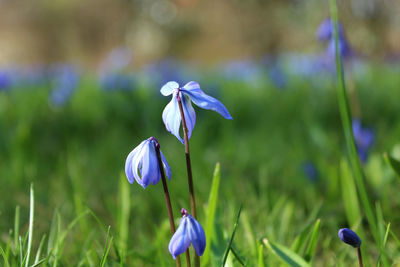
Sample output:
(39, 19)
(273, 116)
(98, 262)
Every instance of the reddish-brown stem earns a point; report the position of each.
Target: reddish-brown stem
(189, 168)
(166, 194)
(359, 257)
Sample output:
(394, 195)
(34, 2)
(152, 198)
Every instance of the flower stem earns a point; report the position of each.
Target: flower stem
(359, 257)
(166, 193)
(189, 168)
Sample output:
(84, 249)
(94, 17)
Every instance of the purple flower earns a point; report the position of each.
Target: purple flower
(325, 33)
(142, 164)
(349, 237)
(364, 138)
(191, 92)
(66, 82)
(189, 232)
(310, 171)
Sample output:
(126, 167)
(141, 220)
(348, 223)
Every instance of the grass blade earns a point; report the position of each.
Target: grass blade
(393, 163)
(349, 193)
(16, 229)
(123, 215)
(30, 231)
(107, 247)
(228, 248)
(312, 244)
(345, 115)
(285, 254)
(39, 249)
(6, 264)
(211, 209)
(261, 255)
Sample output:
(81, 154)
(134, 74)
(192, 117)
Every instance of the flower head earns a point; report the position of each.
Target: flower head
(189, 232)
(191, 92)
(364, 138)
(142, 164)
(349, 237)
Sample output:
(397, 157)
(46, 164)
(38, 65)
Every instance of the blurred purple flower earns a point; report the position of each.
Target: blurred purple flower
(325, 33)
(189, 232)
(66, 81)
(117, 81)
(349, 237)
(188, 93)
(5, 80)
(310, 170)
(142, 164)
(364, 138)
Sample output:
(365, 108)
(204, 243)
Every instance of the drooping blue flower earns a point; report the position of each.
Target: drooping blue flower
(349, 237)
(191, 92)
(142, 164)
(325, 30)
(364, 138)
(189, 232)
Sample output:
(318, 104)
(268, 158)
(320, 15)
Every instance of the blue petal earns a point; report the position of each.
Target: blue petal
(190, 115)
(196, 235)
(172, 117)
(180, 240)
(129, 162)
(166, 166)
(150, 170)
(137, 164)
(169, 88)
(192, 89)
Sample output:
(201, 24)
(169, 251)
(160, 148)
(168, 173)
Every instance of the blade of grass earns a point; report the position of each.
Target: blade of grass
(345, 115)
(123, 215)
(211, 209)
(312, 244)
(349, 193)
(285, 254)
(39, 249)
(16, 230)
(232, 237)
(393, 163)
(30, 228)
(237, 256)
(109, 240)
(381, 224)
(6, 264)
(260, 255)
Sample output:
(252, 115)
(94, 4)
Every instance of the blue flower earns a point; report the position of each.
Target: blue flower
(310, 170)
(142, 164)
(364, 138)
(325, 32)
(191, 92)
(349, 237)
(189, 232)
(66, 82)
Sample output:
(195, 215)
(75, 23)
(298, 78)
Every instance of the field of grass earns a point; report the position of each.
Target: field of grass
(87, 214)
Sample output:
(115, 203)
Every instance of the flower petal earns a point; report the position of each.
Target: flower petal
(137, 164)
(196, 235)
(129, 162)
(166, 166)
(190, 115)
(172, 117)
(180, 240)
(192, 89)
(150, 170)
(169, 88)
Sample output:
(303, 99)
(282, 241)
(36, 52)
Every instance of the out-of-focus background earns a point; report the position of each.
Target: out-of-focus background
(84, 32)
(79, 89)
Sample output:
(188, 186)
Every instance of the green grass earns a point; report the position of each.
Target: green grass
(83, 212)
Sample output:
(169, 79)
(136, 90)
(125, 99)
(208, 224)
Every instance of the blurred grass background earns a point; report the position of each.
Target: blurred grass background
(69, 127)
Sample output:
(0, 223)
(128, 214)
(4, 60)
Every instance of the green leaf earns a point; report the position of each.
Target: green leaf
(123, 215)
(393, 163)
(211, 209)
(312, 244)
(228, 248)
(285, 254)
(349, 194)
